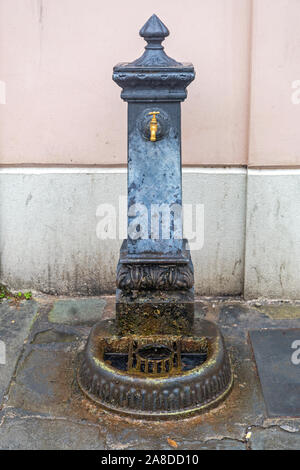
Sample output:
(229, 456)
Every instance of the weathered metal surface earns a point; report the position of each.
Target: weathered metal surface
(158, 272)
(160, 395)
(278, 365)
(155, 312)
(154, 178)
(154, 167)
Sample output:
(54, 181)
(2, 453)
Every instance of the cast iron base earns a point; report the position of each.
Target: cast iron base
(156, 376)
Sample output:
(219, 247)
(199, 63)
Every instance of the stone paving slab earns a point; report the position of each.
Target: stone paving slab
(274, 439)
(46, 433)
(279, 376)
(280, 311)
(222, 444)
(43, 382)
(75, 312)
(15, 323)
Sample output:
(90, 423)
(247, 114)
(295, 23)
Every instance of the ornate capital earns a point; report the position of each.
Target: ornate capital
(154, 76)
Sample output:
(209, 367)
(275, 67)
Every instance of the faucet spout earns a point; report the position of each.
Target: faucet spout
(153, 126)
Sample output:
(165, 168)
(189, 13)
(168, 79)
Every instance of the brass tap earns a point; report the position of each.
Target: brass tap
(153, 125)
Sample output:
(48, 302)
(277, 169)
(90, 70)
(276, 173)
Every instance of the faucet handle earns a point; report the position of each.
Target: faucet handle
(153, 114)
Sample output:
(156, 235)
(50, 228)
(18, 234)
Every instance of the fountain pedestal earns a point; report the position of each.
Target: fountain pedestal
(155, 295)
(155, 360)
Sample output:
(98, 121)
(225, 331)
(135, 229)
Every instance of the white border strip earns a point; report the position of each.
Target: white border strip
(119, 170)
(116, 170)
(230, 170)
(273, 171)
(59, 170)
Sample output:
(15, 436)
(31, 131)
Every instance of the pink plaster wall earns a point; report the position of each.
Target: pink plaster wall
(275, 104)
(56, 58)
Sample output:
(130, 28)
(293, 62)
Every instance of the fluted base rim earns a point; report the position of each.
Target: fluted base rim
(176, 396)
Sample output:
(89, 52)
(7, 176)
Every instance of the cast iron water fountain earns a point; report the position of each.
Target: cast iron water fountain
(155, 360)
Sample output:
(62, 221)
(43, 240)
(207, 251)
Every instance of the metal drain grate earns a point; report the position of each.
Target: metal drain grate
(157, 359)
(160, 357)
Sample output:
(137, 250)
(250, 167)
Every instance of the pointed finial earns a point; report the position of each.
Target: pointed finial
(154, 29)
(154, 32)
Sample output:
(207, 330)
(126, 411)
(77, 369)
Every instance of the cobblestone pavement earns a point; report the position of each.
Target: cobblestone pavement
(42, 407)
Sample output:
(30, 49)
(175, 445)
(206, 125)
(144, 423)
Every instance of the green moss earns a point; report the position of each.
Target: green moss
(6, 294)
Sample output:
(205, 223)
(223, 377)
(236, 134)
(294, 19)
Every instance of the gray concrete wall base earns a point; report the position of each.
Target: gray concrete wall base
(48, 231)
(219, 264)
(272, 260)
(247, 241)
(48, 236)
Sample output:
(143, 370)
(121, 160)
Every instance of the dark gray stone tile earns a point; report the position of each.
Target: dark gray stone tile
(287, 424)
(53, 336)
(43, 382)
(77, 311)
(281, 310)
(15, 323)
(46, 433)
(221, 444)
(278, 370)
(274, 439)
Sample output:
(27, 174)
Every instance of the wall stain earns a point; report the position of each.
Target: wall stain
(236, 264)
(29, 197)
(282, 268)
(41, 11)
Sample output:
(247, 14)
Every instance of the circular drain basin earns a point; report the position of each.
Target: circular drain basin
(156, 376)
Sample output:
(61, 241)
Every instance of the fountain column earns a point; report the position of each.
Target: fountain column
(155, 360)
(155, 275)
